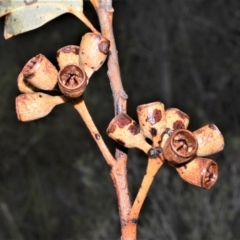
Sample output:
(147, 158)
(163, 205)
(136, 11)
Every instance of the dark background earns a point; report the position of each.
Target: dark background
(54, 182)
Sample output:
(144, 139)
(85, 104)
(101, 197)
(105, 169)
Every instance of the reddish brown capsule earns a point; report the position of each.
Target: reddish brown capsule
(180, 147)
(93, 52)
(72, 81)
(127, 132)
(152, 121)
(201, 172)
(68, 55)
(40, 72)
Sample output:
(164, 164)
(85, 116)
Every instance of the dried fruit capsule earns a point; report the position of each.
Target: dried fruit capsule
(176, 119)
(31, 106)
(93, 52)
(127, 132)
(68, 55)
(72, 80)
(210, 140)
(40, 72)
(152, 121)
(180, 147)
(201, 172)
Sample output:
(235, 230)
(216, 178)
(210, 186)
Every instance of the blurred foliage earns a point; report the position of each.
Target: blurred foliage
(54, 183)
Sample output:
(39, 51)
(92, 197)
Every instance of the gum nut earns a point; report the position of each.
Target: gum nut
(31, 106)
(93, 52)
(68, 55)
(201, 172)
(151, 118)
(72, 81)
(180, 147)
(41, 73)
(210, 140)
(126, 132)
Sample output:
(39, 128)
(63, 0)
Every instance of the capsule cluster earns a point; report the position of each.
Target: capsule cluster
(168, 135)
(43, 86)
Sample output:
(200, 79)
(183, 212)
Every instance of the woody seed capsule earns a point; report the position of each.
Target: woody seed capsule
(41, 73)
(127, 132)
(180, 147)
(68, 55)
(72, 80)
(93, 52)
(210, 140)
(152, 121)
(201, 172)
(31, 106)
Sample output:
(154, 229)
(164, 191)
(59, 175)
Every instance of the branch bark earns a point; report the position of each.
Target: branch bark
(119, 169)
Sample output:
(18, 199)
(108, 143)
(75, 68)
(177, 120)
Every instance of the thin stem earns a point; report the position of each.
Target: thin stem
(80, 106)
(84, 19)
(153, 166)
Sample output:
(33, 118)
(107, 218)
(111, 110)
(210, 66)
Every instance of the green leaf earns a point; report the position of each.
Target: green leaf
(7, 6)
(26, 15)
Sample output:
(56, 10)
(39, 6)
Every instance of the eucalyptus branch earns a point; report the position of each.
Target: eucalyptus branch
(80, 106)
(119, 170)
(42, 85)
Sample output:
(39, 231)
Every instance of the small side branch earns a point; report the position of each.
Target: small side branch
(80, 106)
(154, 164)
